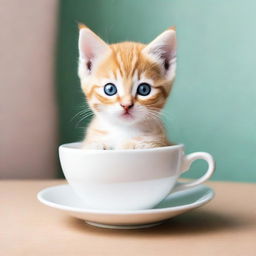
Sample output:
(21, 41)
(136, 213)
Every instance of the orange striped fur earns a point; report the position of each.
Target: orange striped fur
(126, 119)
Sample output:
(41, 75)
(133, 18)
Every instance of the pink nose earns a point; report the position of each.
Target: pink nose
(127, 106)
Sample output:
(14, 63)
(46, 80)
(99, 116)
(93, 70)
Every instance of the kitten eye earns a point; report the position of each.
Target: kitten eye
(110, 89)
(144, 89)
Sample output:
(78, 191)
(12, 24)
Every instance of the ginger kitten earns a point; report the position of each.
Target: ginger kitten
(126, 86)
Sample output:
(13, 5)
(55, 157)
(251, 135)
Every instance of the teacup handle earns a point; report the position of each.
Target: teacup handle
(187, 161)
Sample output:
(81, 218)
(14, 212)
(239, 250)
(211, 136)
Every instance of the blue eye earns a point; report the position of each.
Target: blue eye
(110, 89)
(144, 89)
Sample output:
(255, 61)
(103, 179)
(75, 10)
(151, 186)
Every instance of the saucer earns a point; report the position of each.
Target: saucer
(63, 198)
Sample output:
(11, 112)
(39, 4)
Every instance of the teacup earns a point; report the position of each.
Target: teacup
(120, 180)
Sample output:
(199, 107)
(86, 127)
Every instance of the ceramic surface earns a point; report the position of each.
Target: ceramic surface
(128, 179)
(63, 197)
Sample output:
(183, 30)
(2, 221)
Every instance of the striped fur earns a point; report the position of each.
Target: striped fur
(126, 65)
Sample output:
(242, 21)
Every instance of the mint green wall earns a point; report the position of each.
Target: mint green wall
(213, 104)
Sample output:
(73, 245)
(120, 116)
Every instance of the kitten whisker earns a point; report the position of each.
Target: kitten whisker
(162, 114)
(84, 118)
(83, 111)
(152, 115)
(131, 59)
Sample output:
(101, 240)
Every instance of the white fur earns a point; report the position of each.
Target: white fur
(111, 128)
(118, 134)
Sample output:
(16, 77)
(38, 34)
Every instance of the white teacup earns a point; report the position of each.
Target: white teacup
(128, 179)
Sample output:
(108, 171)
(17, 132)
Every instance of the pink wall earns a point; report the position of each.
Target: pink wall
(28, 125)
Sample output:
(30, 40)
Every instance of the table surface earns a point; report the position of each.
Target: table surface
(225, 226)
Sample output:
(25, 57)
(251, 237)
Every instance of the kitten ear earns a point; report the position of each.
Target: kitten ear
(163, 50)
(91, 49)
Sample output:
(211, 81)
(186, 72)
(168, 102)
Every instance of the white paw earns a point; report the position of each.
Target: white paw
(94, 145)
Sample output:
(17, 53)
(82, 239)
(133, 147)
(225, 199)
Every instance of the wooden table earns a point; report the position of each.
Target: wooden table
(225, 226)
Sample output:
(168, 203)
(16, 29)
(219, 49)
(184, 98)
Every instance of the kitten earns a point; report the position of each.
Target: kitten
(126, 86)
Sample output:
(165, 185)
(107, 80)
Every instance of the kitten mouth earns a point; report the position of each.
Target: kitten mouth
(127, 115)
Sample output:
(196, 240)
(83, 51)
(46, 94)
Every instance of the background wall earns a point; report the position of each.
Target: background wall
(212, 107)
(28, 118)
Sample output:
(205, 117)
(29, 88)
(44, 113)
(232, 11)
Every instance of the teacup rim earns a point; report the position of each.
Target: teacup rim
(71, 147)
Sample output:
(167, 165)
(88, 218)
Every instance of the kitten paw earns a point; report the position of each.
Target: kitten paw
(95, 145)
(128, 145)
(134, 144)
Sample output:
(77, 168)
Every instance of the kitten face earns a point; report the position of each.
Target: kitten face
(126, 83)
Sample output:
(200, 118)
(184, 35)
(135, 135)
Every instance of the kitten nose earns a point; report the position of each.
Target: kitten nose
(127, 106)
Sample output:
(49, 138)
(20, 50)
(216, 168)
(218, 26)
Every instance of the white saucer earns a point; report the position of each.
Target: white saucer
(63, 198)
